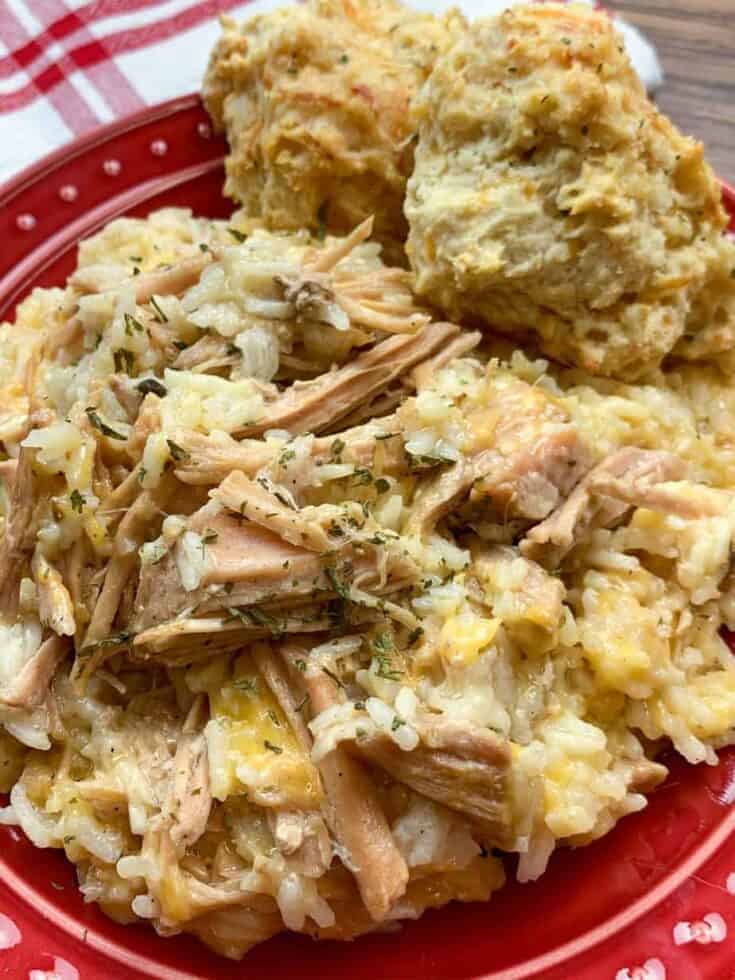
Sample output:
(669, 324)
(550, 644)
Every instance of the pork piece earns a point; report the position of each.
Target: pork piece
(28, 689)
(529, 483)
(127, 394)
(423, 375)
(524, 595)
(375, 409)
(210, 353)
(172, 280)
(681, 498)
(627, 478)
(148, 421)
(314, 528)
(253, 564)
(257, 562)
(521, 456)
(14, 426)
(253, 500)
(122, 497)
(379, 299)
(19, 535)
(326, 258)
(525, 455)
(367, 314)
(211, 458)
(8, 469)
(353, 811)
(190, 797)
(457, 763)
(186, 639)
(534, 457)
(78, 572)
(132, 531)
(310, 406)
(438, 496)
(55, 607)
(271, 665)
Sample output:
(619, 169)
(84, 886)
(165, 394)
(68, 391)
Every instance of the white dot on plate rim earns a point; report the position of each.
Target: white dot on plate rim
(26, 222)
(159, 148)
(112, 167)
(204, 130)
(62, 970)
(68, 193)
(10, 934)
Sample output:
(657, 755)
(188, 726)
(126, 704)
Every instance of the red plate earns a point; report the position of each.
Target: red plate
(654, 899)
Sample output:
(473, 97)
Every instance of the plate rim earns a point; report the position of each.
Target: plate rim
(124, 956)
(68, 151)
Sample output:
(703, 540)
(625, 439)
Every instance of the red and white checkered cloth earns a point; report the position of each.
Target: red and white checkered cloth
(67, 66)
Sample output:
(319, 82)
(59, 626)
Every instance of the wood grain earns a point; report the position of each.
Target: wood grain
(696, 43)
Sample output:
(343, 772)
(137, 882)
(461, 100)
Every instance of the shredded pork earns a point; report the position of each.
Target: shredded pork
(308, 601)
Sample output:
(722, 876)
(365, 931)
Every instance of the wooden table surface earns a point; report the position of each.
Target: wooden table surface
(696, 43)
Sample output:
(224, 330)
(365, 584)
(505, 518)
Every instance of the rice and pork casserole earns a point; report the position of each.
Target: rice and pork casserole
(313, 602)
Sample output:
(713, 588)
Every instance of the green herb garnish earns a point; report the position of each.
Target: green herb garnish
(124, 360)
(114, 640)
(77, 501)
(159, 314)
(177, 453)
(385, 668)
(248, 686)
(132, 324)
(255, 617)
(97, 423)
(340, 587)
(383, 643)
